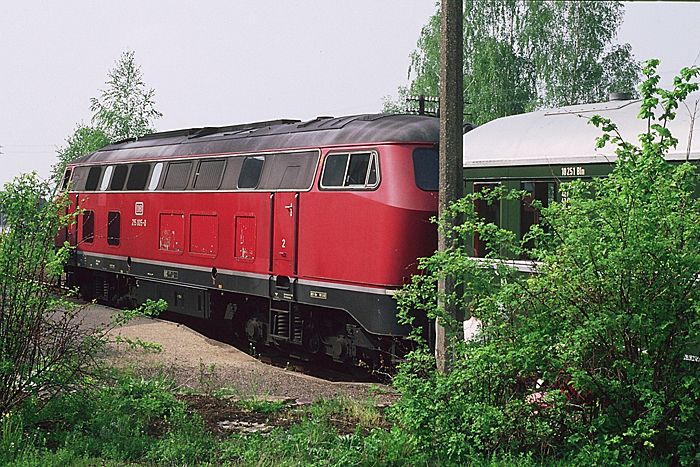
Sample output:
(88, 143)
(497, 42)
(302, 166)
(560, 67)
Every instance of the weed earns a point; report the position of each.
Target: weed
(207, 378)
(374, 389)
(11, 434)
(227, 391)
(262, 405)
(185, 443)
(345, 412)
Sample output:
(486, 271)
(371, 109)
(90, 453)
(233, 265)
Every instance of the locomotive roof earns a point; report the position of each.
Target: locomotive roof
(272, 135)
(564, 136)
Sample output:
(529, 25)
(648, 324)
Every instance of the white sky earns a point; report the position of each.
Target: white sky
(218, 63)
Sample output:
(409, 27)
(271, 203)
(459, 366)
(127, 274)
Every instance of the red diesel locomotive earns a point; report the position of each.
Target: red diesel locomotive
(295, 234)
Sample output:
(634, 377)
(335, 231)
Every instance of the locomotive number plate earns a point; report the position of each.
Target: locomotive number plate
(170, 274)
(319, 295)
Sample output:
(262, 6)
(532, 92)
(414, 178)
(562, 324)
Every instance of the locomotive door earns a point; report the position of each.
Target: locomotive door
(284, 238)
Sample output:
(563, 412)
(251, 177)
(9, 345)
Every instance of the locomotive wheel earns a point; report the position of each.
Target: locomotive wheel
(254, 329)
(236, 322)
(340, 349)
(313, 344)
(87, 288)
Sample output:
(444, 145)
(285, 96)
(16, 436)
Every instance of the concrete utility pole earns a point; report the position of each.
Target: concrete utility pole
(451, 117)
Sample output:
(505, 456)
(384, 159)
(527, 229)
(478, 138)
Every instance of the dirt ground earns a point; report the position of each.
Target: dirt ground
(203, 365)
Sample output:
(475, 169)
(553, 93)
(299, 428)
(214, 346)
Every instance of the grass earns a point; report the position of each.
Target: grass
(255, 404)
(136, 422)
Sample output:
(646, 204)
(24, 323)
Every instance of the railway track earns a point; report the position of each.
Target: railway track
(326, 370)
(320, 368)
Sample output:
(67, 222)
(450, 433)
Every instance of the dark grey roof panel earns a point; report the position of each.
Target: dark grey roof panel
(271, 136)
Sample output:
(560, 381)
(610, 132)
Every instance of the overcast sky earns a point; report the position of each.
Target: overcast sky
(218, 63)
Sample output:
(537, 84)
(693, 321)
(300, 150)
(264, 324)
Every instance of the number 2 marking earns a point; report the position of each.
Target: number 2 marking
(284, 242)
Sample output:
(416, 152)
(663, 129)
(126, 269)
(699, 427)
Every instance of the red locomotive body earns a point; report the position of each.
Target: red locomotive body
(295, 234)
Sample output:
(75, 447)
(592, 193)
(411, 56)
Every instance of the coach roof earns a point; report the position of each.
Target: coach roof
(563, 136)
(270, 136)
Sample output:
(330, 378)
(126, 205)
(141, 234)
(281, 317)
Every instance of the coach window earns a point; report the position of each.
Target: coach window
(113, 228)
(355, 170)
(426, 168)
(93, 178)
(107, 177)
(251, 171)
(489, 210)
(138, 176)
(88, 226)
(119, 177)
(155, 177)
(542, 192)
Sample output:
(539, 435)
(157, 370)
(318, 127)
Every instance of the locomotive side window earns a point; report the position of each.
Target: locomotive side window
(426, 168)
(88, 226)
(93, 178)
(155, 178)
(372, 171)
(334, 170)
(79, 177)
(107, 177)
(209, 173)
(290, 176)
(289, 171)
(372, 177)
(138, 176)
(177, 176)
(66, 179)
(355, 170)
(119, 177)
(113, 228)
(251, 171)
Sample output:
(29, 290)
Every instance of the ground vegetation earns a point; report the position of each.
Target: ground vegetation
(594, 358)
(45, 352)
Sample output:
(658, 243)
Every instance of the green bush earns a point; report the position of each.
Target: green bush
(44, 348)
(587, 358)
